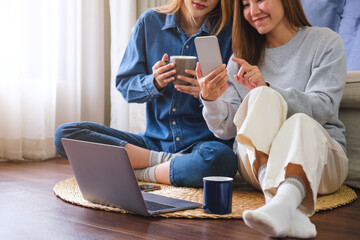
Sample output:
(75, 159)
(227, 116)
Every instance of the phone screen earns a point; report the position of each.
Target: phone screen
(146, 187)
(208, 52)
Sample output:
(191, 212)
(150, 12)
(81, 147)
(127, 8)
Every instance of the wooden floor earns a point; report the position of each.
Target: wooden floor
(30, 210)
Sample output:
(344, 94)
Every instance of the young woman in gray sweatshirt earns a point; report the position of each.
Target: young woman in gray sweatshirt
(280, 97)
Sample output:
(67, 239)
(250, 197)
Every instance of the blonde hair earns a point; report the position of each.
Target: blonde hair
(222, 13)
(247, 43)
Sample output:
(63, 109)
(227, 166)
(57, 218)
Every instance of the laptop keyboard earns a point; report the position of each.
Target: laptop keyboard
(154, 206)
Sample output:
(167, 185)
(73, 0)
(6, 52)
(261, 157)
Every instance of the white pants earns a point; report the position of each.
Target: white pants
(262, 126)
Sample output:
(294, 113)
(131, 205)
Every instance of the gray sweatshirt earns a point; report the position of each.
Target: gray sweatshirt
(309, 72)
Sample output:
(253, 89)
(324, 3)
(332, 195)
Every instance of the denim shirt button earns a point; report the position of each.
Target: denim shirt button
(187, 46)
(174, 109)
(177, 139)
(173, 123)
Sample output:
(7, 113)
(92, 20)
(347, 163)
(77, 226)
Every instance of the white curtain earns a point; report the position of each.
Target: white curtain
(124, 116)
(52, 71)
(123, 18)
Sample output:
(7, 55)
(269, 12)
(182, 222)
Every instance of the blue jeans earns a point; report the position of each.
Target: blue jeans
(206, 158)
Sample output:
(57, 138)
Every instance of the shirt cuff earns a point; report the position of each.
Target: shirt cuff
(212, 107)
(150, 86)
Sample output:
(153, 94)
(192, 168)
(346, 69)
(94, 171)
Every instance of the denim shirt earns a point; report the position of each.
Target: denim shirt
(174, 119)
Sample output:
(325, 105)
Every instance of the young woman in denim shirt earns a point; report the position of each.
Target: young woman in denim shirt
(177, 147)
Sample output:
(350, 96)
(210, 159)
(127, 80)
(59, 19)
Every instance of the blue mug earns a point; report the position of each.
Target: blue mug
(217, 195)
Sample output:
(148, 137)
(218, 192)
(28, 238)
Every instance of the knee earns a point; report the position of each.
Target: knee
(218, 156)
(59, 134)
(300, 117)
(302, 121)
(66, 130)
(266, 96)
(60, 130)
(63, 131)
(262, 92)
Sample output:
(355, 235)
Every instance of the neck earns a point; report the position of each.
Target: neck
(189, 24)
(280, 35)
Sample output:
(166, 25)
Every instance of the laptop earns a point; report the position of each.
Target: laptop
(105, 176)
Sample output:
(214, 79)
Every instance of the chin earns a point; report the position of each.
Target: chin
(262, 30)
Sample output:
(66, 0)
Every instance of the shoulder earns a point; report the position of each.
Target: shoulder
(325, 45)
(321, 36)
(150, 19)
(322, 41)
(151, 14)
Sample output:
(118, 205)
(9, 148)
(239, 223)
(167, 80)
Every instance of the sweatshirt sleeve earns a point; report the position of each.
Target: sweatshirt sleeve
(219, 114)
(324, 89)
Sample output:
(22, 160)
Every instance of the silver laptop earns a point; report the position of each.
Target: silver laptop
(105, 176)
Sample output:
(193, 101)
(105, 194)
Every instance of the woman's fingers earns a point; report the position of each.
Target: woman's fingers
(223, 81)
(162, 72)
(245, 66)
(190, 80)
(213, 76)
(213, 84)
(191, 72)
(161, 63)
(240, 61)
(239, 79)
(198, 71)
(248, 75)
(220, 79)
(165, 57)
(191, 90)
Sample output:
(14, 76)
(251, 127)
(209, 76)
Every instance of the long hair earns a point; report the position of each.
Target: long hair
(220, 16)
(247, 43)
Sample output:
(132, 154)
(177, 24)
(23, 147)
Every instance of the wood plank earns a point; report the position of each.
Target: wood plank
(30, 210)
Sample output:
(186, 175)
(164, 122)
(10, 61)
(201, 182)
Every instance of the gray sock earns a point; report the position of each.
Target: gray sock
(157, 158)
(145, 174)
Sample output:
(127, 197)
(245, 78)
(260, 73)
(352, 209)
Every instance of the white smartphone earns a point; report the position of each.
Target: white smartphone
(209, 54)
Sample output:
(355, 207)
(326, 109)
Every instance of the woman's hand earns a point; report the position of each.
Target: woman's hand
(194, 88)
(162, 75)
(248, 75)
(214, 84)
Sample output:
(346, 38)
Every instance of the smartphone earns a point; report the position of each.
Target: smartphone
(147, 188)
(209, 54)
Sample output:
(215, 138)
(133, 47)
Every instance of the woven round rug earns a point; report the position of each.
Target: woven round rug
(244, 198)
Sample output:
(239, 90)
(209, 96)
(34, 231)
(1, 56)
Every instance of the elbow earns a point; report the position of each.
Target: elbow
(325, 111)
(224, 133)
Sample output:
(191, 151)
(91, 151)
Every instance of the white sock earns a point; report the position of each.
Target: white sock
(274, 219)
(301, 227)
(157, 158)
(145, 174)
